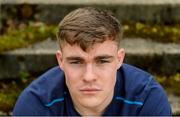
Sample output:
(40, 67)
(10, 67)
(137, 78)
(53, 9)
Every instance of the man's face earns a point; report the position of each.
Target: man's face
(91, 76)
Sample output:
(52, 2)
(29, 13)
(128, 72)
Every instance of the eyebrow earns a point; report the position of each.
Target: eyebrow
(104, 57)
(96, 58)
(74, 58)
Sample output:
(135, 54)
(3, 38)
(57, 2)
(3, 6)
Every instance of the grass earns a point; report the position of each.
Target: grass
(17, 38)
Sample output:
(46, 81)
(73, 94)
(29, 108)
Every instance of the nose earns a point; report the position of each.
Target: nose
(89, 74)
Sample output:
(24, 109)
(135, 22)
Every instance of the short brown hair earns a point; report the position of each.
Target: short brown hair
(87, 26)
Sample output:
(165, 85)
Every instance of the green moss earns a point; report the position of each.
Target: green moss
(8, 96)
(9, 92)
(171, 83)
(7, 100)
(161, 33)
(17, 38)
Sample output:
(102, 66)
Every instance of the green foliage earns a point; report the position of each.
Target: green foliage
(8, 96)
(9, 92)
(16, 38)
(7, 100)
(24, 76)
(162, 33)
(171, 83)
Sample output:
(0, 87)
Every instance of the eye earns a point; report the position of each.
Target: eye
(102, 61)
(75, 62)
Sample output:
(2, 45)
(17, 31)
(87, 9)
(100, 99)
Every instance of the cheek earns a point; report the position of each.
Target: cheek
(71, 82)
(108, 75)
(72, 77)
(108, 70)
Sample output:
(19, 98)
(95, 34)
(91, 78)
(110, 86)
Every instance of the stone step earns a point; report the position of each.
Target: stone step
(175, 104)
(92, 2)
(149, 55)
(146, 54)
(156, 11)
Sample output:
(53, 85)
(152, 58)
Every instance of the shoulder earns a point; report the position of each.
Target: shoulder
(49, 85)
(133, 72)
(42, 91)
(137, 83)
(140, 86)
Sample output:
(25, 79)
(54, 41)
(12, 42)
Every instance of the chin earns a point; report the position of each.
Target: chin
(90, 102)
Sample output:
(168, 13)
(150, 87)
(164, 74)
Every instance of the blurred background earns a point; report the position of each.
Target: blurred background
(28, 41)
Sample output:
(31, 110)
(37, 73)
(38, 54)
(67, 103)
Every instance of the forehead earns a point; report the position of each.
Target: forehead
(108, 47)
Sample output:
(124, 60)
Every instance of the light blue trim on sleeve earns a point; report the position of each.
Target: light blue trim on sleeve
(129, 102)
(54, 101)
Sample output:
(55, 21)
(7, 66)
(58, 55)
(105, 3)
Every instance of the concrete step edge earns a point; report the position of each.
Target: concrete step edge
(93, 2)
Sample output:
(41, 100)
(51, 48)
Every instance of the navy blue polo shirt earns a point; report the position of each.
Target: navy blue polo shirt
(136, 93)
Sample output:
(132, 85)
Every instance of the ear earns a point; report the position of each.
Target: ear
(121, 55)
(59, 59)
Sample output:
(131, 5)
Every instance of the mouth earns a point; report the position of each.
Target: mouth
(90, 91)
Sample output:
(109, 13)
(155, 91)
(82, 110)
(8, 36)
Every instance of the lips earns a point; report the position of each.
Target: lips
(90, 90)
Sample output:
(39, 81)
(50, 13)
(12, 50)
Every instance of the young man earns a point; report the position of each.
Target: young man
(91, 78)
